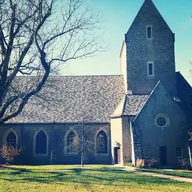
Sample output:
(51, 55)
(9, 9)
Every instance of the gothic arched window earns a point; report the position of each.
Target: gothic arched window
(101, 142)
(11, 140)
(72, 142)
(41, 143)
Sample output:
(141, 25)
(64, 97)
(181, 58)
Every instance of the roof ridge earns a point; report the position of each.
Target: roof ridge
(158, 83)
(124, 105)
(76, 76)
(148, 3)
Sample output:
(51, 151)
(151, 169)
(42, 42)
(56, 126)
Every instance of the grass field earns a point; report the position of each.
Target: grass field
(57, 178)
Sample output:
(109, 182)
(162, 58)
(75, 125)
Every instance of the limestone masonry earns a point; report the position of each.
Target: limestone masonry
(144, 114)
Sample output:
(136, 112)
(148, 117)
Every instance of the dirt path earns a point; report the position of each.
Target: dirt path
(133, 169)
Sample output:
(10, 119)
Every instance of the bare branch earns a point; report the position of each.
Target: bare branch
(36, 38)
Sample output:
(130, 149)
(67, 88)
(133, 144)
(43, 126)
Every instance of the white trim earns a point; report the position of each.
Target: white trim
(153, 71)
(166, 118)
(132, 145)
(34, 143)
(190, 155)
(147, 26)
(7, 133)
(65, 141)
(97, 132)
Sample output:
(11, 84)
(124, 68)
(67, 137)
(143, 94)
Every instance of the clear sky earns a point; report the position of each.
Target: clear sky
(117, 16)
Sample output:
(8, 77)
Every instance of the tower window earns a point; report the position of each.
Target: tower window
(150, 68)
(149, 32)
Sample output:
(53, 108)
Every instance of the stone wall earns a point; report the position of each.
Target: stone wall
(127, 146)
(173, 135)
(158, 49)
(56, 153)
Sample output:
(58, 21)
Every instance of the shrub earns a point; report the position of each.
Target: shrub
(151, 163)
(140, 163)
(9, 153)
(183, 163)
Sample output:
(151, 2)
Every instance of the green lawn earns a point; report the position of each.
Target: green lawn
(180, 173)
(58, 178)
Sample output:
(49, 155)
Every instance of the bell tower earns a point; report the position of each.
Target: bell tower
(148, 55)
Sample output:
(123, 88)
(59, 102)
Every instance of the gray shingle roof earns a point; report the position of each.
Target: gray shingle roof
(130, 105)
(75, 98)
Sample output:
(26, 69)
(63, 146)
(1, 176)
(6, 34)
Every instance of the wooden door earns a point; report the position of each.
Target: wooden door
(163, 155)
(117, 155)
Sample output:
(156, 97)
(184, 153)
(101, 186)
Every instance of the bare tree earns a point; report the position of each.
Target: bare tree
(36, 38)
(81, 144)
(85, 144)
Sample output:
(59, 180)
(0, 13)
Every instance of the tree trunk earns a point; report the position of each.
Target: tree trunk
(82, 158)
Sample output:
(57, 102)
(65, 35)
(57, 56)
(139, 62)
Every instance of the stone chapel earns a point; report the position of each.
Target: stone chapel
(144, 113)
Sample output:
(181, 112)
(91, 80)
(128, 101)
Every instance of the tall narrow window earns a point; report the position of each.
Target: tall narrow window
(41, 143)
(146, 152)
(179, 152)
(149, 32)
(72, 142)
(11, 140)
(101, 142)
(150, 68)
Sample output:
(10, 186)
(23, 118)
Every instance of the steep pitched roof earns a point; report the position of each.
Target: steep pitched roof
(184, 92)
(159, 91)
(147, 12)
(119, 110)
(134, 104)
(147, 100)
(75, 99)
(130, 105)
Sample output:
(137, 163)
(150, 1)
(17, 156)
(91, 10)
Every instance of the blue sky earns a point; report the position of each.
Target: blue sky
(117, 16)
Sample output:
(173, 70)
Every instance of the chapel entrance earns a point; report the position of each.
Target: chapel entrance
(163, 155)
(117, 155)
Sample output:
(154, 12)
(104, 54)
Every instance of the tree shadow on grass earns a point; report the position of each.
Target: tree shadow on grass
(82, 176)
(14, 170)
